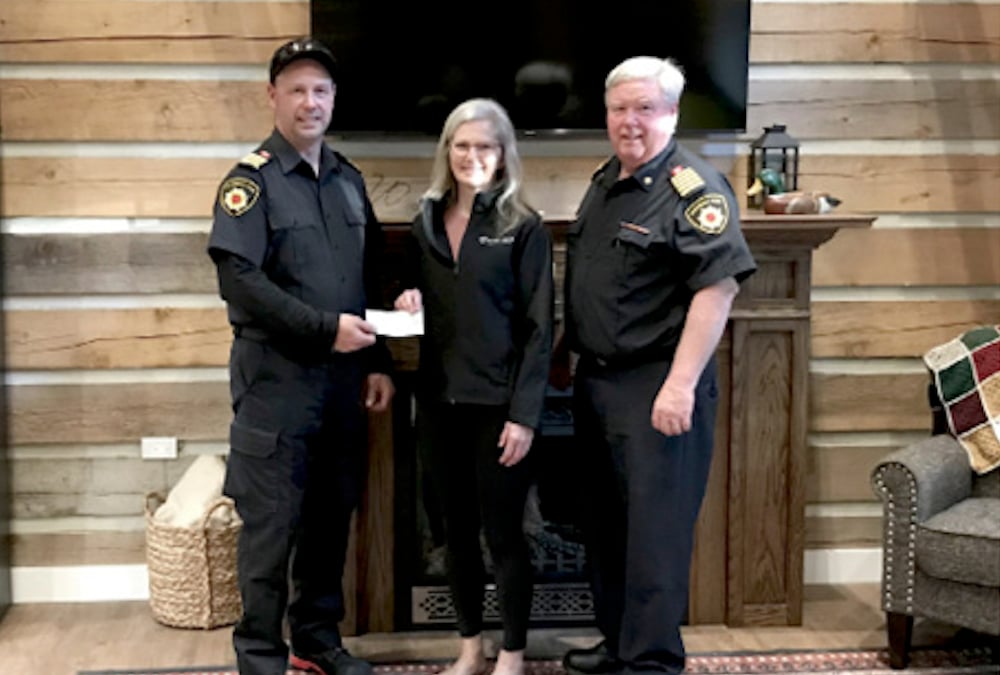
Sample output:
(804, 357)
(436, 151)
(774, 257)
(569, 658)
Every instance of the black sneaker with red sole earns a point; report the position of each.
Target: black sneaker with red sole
(336, 661)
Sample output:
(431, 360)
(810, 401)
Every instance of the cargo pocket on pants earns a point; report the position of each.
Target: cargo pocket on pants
(252, 471)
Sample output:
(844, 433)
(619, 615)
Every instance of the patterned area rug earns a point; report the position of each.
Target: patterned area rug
(852, 662)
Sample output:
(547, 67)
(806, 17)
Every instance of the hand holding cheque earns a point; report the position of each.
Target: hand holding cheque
(397, 323)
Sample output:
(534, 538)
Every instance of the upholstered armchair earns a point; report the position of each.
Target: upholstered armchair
(941, 539)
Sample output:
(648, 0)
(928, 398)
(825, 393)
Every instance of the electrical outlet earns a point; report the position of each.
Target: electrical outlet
(159, 447)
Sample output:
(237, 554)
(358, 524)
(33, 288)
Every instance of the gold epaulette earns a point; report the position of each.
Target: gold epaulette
(686, 180)
(256, 159)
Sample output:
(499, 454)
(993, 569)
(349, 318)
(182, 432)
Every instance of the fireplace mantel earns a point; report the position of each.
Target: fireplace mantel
(748, 559)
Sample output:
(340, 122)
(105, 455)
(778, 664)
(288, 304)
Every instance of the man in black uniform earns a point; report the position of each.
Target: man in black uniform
(295, 242)
(654, 261)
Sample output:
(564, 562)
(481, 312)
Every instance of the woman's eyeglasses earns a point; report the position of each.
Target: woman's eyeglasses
(464, 148)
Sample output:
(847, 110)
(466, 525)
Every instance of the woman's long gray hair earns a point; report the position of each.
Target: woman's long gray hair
(509, 178)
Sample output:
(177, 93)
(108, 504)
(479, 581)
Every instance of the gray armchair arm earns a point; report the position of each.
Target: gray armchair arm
(932, 474)
(915, 483)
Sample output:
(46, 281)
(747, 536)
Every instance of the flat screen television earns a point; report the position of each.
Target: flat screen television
(404, 65)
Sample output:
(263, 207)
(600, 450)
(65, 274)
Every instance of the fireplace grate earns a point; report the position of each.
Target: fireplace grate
(551, 602)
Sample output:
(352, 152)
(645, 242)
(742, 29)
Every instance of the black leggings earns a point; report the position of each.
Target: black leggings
(458, 444)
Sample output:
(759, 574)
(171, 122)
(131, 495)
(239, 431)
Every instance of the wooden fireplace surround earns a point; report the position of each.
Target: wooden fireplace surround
(747, 568)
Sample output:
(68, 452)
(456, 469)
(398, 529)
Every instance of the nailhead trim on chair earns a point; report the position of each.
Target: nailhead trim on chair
(889, 552)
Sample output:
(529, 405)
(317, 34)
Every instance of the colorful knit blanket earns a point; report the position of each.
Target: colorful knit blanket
(967, 374)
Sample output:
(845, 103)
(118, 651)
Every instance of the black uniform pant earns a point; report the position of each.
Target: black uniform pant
(296, 470)
(643, 491)
(458, 444)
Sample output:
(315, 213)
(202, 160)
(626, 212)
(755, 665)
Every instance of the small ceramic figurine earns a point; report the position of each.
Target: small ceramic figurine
(778, 201)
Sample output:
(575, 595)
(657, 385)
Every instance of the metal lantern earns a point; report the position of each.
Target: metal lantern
(776, 150)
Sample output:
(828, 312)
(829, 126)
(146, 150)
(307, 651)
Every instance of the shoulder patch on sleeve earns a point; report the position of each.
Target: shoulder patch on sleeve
(256, 159)
(237, 195)
(709, 213)
(686, 180)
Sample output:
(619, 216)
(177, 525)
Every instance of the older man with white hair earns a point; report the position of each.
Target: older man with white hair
(654, 260)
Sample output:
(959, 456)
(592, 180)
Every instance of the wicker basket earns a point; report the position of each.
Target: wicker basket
(192, 570)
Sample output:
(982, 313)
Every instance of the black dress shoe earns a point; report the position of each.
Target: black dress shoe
(596, 660)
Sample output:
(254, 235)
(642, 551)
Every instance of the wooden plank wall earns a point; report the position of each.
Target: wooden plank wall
(119, 117)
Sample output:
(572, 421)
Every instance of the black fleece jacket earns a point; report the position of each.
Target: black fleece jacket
(487, 316)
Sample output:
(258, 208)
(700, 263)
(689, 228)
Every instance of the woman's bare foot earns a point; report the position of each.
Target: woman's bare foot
(471, 660)
(509, 663)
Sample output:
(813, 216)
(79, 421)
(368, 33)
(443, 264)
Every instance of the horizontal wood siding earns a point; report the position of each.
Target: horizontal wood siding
(206, 110)
(838, 474)
(105, 338)
(112, 413)
(868, 402)
(891, 32)
(68, 264)
(122, 31)
(178, 337)
(185, 188)
(125, 31)
(112, 488)
(78, 548)
(893, 329)
(907, 258)
(851, 532)
(90, 486)
(879, 109)
(45, 264)
(134, 110)
(124, 412)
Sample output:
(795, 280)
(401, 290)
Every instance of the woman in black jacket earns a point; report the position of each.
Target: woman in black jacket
(482, 274)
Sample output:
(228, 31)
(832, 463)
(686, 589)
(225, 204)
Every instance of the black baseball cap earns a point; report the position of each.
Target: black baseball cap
(303, 48)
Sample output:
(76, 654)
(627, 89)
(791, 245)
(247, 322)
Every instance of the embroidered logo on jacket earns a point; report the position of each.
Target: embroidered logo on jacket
(495, 241)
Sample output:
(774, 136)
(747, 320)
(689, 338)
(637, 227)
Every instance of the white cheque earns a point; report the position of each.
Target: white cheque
(396, 323)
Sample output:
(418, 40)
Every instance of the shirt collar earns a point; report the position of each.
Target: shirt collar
(289, 158)
(648, 173)
(645, 177)
(485, 200)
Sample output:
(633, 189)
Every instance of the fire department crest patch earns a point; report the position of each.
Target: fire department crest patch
(709, 213)
(237, 195)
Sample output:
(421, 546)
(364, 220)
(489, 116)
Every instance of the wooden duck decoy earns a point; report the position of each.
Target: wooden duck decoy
(777, 201)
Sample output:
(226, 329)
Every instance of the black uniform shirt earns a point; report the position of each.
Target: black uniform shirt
(313, 237)
(488, 316)
(641, 247)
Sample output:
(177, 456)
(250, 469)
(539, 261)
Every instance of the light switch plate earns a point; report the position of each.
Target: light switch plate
(159, 447)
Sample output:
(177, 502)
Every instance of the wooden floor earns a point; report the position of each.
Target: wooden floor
(61, 639)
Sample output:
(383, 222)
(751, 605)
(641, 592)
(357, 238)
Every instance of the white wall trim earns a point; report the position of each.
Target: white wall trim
(843, 566)
(106, 583)
(83, 583)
